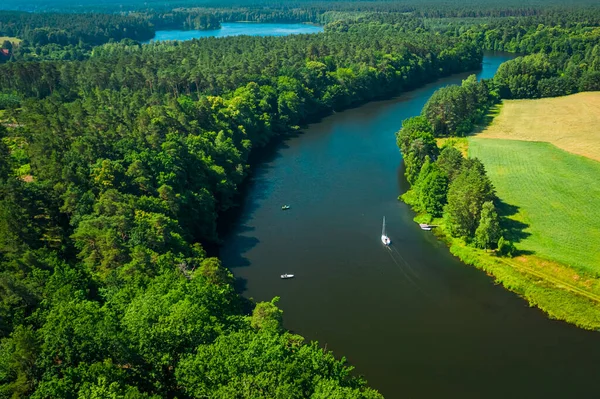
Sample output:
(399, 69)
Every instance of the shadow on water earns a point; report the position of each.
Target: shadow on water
(235, 224)
(240, 284)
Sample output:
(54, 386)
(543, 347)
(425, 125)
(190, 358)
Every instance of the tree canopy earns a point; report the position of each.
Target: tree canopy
(117, 159)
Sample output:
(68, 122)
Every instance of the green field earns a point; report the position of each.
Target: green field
(557, 195)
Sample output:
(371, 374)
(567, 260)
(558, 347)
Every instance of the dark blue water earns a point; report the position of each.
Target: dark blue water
(415, 321)
(236, 29)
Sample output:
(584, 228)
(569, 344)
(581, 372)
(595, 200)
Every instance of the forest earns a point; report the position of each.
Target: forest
(118, 158)
(119, 166)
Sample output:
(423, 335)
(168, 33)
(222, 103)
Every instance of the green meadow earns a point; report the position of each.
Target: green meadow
(551, 195)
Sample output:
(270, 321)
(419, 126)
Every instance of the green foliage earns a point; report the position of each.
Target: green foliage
(266, 365)
(450, 161)
(519, 78)
(63, 29)
(563, 53)
(212, 271)
(453, 110)
(506, 247)
(412, 128)
(431, 188)
(466, 195)
(9, 100)
(488, 232)
(417, 143)
(17, 362)
(267, 316)
(174, 315)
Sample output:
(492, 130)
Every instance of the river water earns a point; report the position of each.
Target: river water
(414, 320)
(237, 29)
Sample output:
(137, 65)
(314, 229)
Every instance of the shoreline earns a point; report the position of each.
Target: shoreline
(557, 295)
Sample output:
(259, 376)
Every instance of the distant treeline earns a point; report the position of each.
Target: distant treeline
(512, 27)
(430, 8)
(72, 29)
(184, 20)
(564, 57)
(215, 66)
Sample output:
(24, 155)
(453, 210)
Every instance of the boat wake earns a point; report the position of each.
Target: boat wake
(402, 264)
(409, 273)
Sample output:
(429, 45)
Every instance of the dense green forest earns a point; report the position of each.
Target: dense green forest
(424, 7)
(118, 158)
(116, 169)
(562, 58)
(64, 29)
(67, 36)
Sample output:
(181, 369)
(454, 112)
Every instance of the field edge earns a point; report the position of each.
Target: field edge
(569, 295)
(556, 297)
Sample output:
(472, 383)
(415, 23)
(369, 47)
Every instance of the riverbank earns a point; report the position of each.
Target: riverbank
(554, 226)
(549, 286)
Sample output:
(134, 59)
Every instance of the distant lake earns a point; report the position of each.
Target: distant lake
(236, 29)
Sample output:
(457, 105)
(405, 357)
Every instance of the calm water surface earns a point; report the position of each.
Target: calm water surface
(236, 29)
(415, 321)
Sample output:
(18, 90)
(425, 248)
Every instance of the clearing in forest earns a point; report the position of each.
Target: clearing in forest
(570, 122)
(551, 196)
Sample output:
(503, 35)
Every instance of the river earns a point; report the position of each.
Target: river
(237, 29)
(415, 321)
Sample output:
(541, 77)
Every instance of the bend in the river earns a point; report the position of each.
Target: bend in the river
(414, 320)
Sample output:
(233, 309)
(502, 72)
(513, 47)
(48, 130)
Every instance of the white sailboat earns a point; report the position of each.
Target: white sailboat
(384, 238)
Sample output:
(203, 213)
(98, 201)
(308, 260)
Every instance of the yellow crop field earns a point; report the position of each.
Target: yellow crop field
(571, 123)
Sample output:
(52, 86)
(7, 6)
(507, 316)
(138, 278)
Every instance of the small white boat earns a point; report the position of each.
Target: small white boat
(287, 276)
(424, 226)
(384, 238)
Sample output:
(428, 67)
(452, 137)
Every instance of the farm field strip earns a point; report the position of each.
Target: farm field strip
(557, 195)
(569, 122)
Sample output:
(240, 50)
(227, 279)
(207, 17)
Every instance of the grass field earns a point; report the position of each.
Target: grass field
(553, 194)
(550, 199)
(570, 123)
